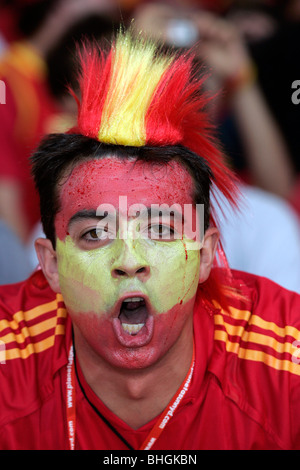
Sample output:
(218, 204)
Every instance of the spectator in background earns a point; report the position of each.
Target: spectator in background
(61, 63)
(276, 56)
(30, 107)
(274, 50)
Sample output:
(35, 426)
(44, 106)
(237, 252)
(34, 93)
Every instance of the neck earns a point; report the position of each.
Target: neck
(136, 396)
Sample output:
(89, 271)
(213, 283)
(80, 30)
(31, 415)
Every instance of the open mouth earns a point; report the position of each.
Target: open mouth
(133, 314)
(134, 324)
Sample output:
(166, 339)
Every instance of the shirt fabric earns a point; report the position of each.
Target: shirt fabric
(244, 393)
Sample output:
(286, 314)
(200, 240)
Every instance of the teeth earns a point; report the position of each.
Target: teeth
(134, 299)
(132, 329)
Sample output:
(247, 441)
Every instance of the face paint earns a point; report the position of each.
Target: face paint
(129, 297)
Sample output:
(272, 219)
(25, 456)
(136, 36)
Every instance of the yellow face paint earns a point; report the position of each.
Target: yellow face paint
(88, 284)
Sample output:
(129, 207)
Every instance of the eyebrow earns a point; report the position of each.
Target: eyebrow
(152, 213)
(86, 214)
(162, 211)
(92, 214)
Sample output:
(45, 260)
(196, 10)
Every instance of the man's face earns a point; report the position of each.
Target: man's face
(127, 278)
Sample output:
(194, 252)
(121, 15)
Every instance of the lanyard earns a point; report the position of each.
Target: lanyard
(169, 410)
(70, 399)
(159, 426)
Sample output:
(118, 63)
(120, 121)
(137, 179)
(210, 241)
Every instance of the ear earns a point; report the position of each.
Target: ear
(207, 252)
(48, 262)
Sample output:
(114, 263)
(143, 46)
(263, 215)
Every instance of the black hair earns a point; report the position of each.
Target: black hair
(58, 153)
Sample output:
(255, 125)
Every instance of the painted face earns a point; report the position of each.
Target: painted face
(127, 278)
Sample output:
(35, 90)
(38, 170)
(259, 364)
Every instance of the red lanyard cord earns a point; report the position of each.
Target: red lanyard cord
(157, 429)
(170, 409)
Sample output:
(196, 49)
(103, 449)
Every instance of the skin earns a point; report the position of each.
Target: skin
(94, 273)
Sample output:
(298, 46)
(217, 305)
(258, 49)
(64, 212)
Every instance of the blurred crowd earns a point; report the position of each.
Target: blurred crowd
(249, 51)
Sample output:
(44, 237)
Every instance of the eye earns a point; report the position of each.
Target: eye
(96, 234)
(161, 232)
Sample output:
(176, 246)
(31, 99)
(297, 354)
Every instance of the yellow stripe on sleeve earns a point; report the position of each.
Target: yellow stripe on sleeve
(50, 325)
(255, 320)
(33, 348)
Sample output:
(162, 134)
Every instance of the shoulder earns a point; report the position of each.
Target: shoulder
(258, 342)
(24, 301)
(32, 330)
(270, 299)
(264, 322)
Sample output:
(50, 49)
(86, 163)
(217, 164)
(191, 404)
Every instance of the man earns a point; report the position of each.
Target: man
(132, 336)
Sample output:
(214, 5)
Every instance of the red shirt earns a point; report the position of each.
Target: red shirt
(244, 394)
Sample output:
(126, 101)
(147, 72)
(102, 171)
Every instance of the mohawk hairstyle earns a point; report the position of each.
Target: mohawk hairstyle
(136, 95)
(149, 104)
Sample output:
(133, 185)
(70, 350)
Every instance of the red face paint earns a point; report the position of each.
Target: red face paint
(99, 333)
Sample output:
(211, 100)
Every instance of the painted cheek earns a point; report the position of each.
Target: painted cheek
(175, 273)
(87, 284)
(85, 277)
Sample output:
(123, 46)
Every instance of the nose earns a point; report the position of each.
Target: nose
(130, 264)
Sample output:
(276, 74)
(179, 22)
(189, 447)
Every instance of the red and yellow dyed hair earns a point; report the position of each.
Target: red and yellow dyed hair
(134, 95)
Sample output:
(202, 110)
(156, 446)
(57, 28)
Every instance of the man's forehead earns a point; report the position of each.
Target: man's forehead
(129, 165)
(113, 176)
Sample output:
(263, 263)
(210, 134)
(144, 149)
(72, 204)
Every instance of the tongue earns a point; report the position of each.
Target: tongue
(133, 312)
(132, 305)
